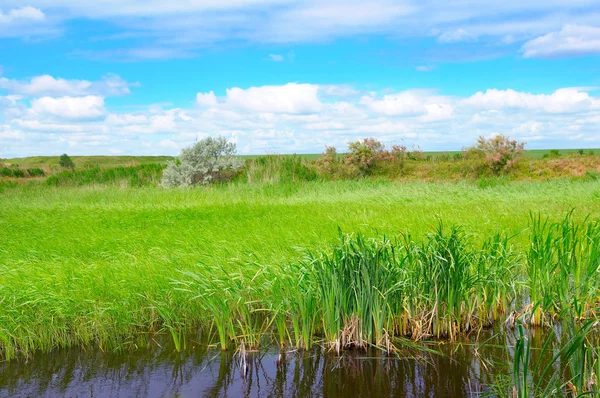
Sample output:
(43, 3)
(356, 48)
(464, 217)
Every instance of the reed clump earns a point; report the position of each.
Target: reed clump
(368, 292)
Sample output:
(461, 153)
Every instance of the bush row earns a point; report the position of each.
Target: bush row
(20, 173)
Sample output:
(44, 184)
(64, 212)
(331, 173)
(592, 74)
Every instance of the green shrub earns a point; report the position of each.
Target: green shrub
(66, 162)
(36, 172)
(6, 172)
(18, 173)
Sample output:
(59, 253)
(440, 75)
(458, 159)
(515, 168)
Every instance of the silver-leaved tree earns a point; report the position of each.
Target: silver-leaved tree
(207, 161)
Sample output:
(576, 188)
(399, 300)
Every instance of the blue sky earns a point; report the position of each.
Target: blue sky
(282, 76)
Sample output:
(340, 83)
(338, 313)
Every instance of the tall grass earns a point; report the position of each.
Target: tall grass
(368, 291)
(135, 176)
(278, 169)
(566, 364)
(103, 266)
(563, 265)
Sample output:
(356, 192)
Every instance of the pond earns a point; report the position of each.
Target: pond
(462, 369)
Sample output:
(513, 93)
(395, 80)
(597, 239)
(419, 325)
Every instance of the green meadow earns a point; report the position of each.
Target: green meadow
(104, 265)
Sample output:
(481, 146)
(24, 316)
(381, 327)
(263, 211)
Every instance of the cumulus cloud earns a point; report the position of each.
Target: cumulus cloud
(206, 99)
(73, 108)
(289, 98)
(409, 103)
(564, 100)
(291, 118)
(570, 40)
(46, 85)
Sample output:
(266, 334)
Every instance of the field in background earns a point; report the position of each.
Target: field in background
(275, 169)
(121, 161)
(51, 162)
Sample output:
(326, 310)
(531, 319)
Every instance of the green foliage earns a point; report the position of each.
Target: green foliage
(146, 174)
(6, 172)
(532, 377)
(593, 175)
(563, 262)
(490, 182)
(65, 162)
(207, 161)
(35, 172)
(18, 173)
(278, 169)
(555, 153)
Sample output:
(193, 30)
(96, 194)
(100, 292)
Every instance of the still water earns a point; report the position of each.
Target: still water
(463, 370)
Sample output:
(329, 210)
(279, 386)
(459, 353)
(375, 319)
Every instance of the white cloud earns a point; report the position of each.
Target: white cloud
(75, 108)
(570, 40)
(408, 103)
(206, 99)
(19, 15)
(258, 121)
(276, 57)
(289, 98)
(46, 85)
(338, 90)
(561, 101)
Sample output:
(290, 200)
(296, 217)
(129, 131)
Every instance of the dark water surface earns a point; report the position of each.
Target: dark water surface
(160, 371)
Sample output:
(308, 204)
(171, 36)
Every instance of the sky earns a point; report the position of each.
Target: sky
(131, 77)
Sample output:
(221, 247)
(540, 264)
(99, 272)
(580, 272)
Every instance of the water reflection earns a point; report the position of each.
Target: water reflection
(465, 369)
(201, 372)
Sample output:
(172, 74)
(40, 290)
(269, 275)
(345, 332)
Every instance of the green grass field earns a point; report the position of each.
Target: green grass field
(123, 161)
(87, 161)
(97, 265)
